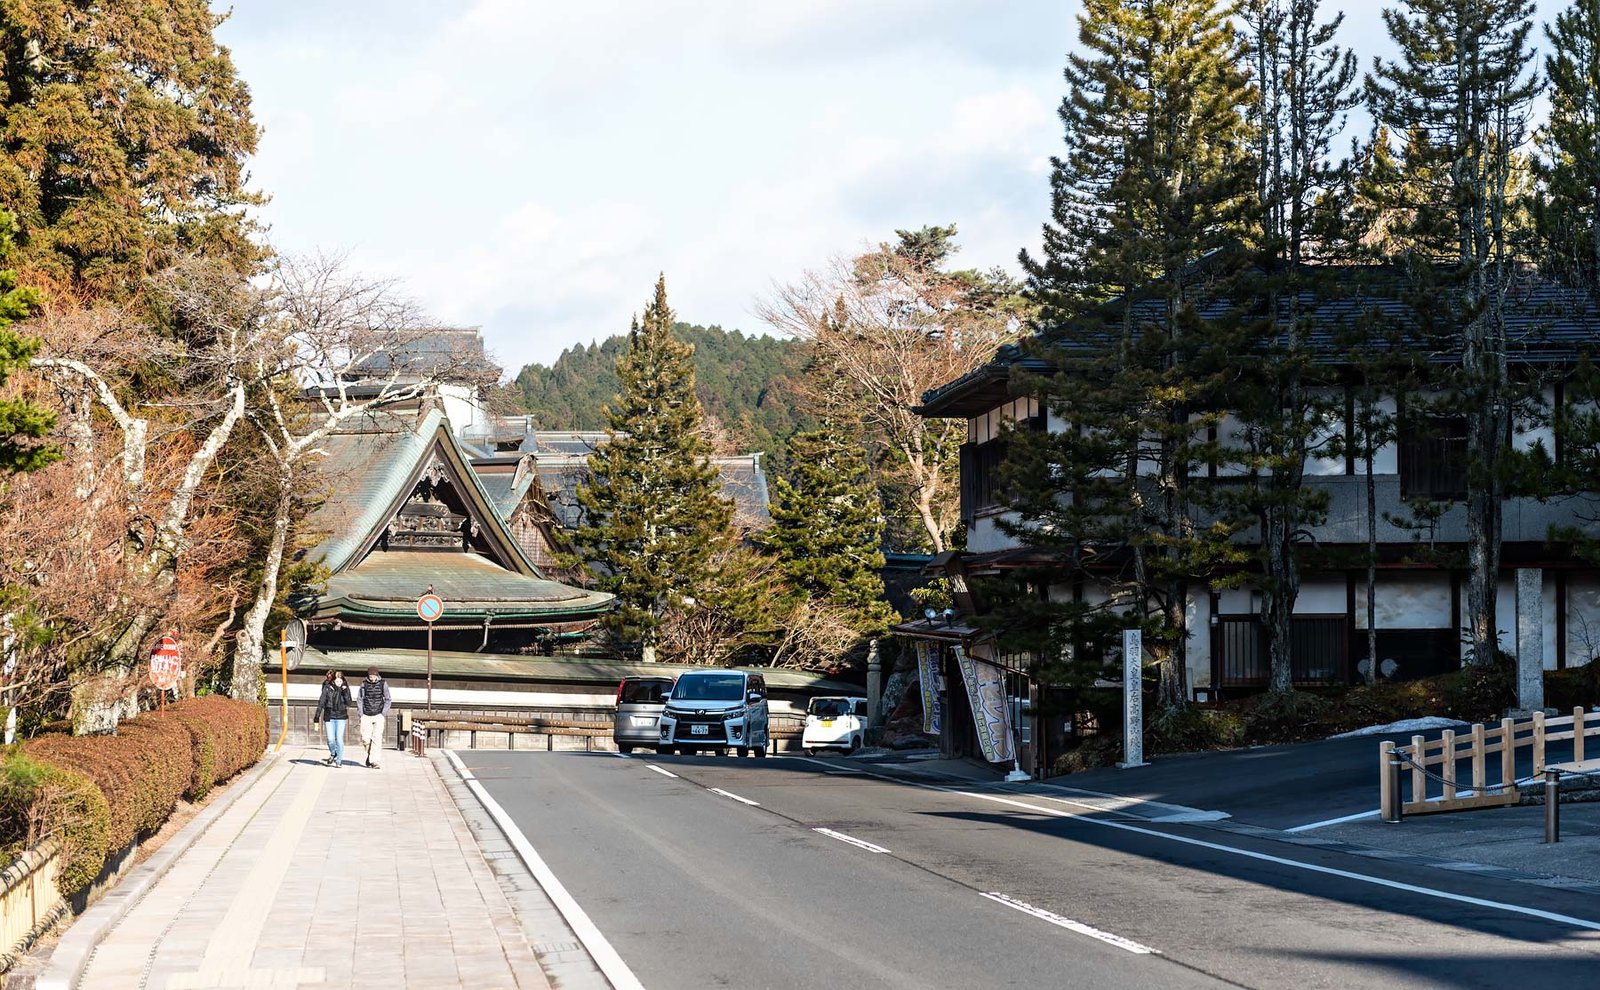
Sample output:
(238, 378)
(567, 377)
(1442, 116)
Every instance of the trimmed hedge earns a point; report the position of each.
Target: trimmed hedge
(38, 800)
(142, 772)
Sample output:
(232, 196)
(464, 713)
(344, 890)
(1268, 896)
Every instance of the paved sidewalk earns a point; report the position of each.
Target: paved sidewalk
(323, 877)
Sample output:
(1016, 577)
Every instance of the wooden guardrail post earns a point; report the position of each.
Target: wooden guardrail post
(1508, 759)
(1538, 743)
(1389, 774)
(1448, 767)
(1577, 734)
(1419, 780)
(1480, 760)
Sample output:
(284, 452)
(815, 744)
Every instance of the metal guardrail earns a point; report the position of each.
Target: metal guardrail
(419, 731)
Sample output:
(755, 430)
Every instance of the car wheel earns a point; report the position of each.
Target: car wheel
(663, 750)
(744, 752)
(809, 751)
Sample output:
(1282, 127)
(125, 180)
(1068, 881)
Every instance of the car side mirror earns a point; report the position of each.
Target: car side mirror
(752, 697)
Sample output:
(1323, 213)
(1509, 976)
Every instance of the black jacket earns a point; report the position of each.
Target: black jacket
(334, 703)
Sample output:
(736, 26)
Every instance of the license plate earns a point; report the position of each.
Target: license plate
(699, 730)
(645, 720)
(827, 723)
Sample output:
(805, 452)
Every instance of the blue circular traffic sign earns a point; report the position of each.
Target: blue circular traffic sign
(430, 607)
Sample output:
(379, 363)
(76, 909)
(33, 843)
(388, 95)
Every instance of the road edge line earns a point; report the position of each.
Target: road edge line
(1334, 821)
(1061, 921)
(605, 956)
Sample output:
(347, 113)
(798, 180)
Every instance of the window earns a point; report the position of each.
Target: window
(1433, 458)
(981, 463)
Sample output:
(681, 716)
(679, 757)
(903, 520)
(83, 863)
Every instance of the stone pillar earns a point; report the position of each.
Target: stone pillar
(874, 683)
(1530, 639)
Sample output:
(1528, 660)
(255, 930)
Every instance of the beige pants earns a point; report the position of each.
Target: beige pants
(372, 734)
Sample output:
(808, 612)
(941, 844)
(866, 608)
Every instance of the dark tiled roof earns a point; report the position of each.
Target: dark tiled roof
(386, 581)
(449, 352)
(1547, 322)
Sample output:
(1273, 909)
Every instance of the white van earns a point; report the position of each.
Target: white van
(717, 710)
(835, 722)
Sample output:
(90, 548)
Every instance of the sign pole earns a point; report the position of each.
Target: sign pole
(429, 608)
(283, 698)
(1133, 699)
(430, 666)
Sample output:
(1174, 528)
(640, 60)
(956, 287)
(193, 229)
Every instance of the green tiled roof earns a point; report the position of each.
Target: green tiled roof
(366, 468)
(390, 581)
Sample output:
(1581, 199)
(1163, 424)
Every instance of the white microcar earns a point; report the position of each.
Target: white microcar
(835, 722)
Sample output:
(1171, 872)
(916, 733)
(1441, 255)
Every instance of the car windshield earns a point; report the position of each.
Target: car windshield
(829, 707)
(709, 687)
(643, 692)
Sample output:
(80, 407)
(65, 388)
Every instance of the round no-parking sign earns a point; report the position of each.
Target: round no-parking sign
(430, 607)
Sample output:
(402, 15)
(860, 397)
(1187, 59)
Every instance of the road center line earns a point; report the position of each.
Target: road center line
(1074, 926)
(1443, 895)
(727, 794)
(664, 773)
(852, 840)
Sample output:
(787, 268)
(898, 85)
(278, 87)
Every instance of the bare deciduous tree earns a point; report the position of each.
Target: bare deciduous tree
(884, 327)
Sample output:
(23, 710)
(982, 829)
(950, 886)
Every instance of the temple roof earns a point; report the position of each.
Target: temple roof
(389, 583)
(388, 532)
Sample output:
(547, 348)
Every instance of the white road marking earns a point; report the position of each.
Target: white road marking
(1074, 926)
(621, 754)
(852, 840)
(727, 794)
(1334, 821)
(600, 950)
(664, 773)
(1443, 895)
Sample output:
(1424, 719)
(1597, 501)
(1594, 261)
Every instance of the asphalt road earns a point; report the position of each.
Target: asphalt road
(1279, 786)
(697, 888)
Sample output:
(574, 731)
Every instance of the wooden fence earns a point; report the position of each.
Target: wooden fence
(30, 902)
(1432, 766)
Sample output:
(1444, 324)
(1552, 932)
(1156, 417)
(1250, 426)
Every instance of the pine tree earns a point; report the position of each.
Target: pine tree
(1280, 396)
(1461, 88)
(1149, 205)
(23, 425)
(653, 495)
(827, 526)
(126, 131)
(1567, 215)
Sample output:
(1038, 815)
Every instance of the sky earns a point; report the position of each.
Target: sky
(530, 166)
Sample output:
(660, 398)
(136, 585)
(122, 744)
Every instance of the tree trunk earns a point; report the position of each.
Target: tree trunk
(247, 653)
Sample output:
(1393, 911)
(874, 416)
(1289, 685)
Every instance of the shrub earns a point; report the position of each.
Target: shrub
(1191, 728)
(38, 801)
(142, 771)
(238, 731)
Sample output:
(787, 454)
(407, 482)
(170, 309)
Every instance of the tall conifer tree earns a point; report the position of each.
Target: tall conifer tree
(827, 526)
(1461, 88)
(1568, 213)
(655, 507)
(1149, 203)
(1305, 87)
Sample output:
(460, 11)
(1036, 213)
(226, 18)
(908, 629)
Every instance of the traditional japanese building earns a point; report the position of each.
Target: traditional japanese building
(406, 512)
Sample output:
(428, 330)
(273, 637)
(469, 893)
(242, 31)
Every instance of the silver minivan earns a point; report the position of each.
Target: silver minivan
(716, 710)
(639, 704)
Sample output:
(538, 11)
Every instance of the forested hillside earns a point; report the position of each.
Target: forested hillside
(745, 383)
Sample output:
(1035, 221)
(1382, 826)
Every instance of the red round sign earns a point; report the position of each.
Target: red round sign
(166, 664)
(430, 607)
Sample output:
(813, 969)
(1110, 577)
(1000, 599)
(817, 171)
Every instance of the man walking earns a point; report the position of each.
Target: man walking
(374, 706)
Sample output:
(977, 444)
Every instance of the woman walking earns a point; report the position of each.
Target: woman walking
(333, 709)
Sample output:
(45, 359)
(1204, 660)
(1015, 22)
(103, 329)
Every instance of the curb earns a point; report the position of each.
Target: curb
(605, 957)
(70, 958)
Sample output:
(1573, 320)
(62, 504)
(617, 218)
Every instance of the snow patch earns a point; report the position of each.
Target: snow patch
(1404, 725)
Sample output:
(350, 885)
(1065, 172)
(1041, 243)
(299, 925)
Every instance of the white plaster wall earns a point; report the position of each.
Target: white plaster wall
(982, 429)
(1331, 430)
(1386, 459)
(1414, 601)
(462, 407)
(1538, 429)
(983, 535)
(1235, 601)
(1583, 619)
(1505, 612)
(1230, 436)
(1322, 596)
